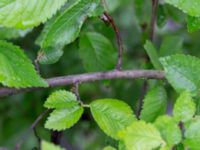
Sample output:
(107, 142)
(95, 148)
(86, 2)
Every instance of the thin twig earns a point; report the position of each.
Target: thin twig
(153, 19)
(107, 18)
(88, 77)
(37, 137)
(151, 37)
(33, 126)
(141, 98)
(75, 90)
(37, 67)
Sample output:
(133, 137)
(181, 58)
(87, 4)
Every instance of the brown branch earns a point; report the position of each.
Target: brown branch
(107, 18)
(89, 77)
(153, 19)
(151, 37)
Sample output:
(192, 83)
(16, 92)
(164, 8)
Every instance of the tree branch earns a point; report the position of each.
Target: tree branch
(89, 77)
(151, 37)
(107, 18)
(153, 19)
(33, 126)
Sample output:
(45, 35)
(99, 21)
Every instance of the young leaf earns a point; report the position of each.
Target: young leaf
(184, 108)
(64, 118)
(61, 99)
(64, 29)
(112, 115)
(193, 23)
(192, 134)
(179, 71)
(153, 55)
(97, 52)
(155, 104)
(141, 136)
(16, 70)
(190, 7)
(49, 146)
(171, 45)
(27, 13)
(121, 146)
(109, 148)
(169, 130)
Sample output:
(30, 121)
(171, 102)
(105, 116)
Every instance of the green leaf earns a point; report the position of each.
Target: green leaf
(182, 72)
(49, 146)
(161, 15)
(109, 148)
(11, 33)
(193, 23)
(179, 147)
(16, 70)
(155, 104)
(27, 13)
(141, 136)
(142, 10)
(171, 45)
(184, 108)
(97, 52)
(190, 7)
(112, 115)
(112, 5)
(121, 146)
(169, 130)
(64, 118)
(192, 134)
(64, 29)
(153, 55)
(61, 99)
(175, 14)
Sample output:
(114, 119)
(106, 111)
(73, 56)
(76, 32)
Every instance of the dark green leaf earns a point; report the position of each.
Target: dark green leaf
(63, 30)
(155, 104)
(97, 52)
(153, 55)
(171, 45)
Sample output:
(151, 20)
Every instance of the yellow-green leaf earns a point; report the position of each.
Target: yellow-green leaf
(112, 115)
(141, 136)
(27, 13)
(16, 70)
